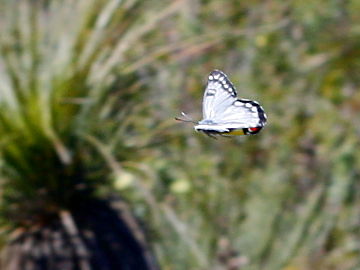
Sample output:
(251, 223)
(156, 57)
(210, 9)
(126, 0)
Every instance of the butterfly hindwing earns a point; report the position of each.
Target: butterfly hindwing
(242, 113)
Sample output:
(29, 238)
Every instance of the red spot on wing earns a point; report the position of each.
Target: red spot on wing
(255, 129)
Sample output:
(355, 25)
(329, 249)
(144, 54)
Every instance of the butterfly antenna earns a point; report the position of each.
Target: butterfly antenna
(187, 118)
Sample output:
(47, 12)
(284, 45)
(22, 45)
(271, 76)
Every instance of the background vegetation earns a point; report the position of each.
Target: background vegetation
(92, 87)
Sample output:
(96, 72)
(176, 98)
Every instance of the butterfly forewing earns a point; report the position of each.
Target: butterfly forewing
(219, 94)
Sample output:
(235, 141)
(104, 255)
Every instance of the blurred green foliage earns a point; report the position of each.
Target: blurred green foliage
(92, 87)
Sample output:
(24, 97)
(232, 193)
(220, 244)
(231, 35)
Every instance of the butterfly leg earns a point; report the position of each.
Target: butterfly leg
(210, 135)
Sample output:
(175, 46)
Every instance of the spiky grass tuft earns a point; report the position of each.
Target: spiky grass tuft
(64, 107)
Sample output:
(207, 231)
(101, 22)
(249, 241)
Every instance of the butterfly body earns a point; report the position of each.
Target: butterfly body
(224, 113)
(225, 130)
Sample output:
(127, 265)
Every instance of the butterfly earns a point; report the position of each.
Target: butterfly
(224, 113)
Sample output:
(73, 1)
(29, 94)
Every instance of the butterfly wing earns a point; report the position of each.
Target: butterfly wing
(222, 108)
(242, 113)
(219, 94)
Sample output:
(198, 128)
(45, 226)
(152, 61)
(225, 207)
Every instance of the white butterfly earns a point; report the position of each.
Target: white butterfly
(224, 113)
